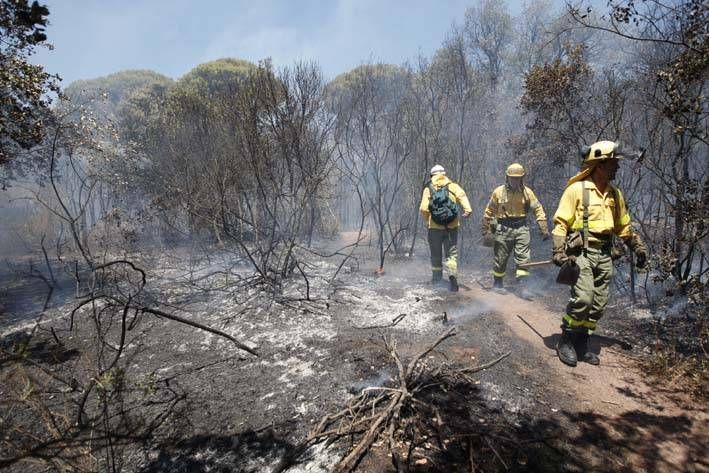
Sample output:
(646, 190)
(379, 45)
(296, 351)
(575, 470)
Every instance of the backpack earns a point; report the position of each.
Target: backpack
(442, 208)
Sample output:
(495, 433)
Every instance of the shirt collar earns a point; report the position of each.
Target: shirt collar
(592, 186)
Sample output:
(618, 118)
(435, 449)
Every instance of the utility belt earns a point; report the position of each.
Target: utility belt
(603, 243)
(575, 243)
(512, 222)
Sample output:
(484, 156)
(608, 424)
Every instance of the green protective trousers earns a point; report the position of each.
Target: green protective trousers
(507, 241)
(589, 296)
(442, 241)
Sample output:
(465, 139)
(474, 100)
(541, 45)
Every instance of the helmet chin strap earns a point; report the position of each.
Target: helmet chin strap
(583, 174)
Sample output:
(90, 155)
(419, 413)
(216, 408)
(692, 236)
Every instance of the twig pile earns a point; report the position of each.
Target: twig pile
(393, 414)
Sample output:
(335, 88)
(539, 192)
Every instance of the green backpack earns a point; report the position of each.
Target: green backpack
(443, 209)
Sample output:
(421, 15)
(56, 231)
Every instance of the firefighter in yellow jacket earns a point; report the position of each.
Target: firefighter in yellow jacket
(505, 224)
(440, 204)
(591, 211)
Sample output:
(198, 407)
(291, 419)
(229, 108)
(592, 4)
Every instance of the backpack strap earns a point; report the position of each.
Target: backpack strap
(501, 201)
(526, 200)
(432, 189)
(616, 208)
(586, 198)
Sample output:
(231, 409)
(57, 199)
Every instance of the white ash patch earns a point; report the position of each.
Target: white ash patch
(640, 313)
(292, 335)
(165, 369)
(494, 394)
(294, 370)
(321, 459)
(207, 338)
(377, 309)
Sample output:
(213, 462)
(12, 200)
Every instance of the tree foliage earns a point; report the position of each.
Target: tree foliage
(24, 87)
(103, 95)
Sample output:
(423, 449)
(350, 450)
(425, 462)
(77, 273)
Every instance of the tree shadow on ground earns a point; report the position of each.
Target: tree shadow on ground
(245, 452)
(22, 297)
(639, 441)
(40, 349)
(461, 431)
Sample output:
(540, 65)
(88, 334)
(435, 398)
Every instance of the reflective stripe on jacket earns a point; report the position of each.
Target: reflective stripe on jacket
(607, 213)
(455, 192)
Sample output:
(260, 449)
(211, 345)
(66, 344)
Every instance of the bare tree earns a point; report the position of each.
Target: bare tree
(488, 33)
(376, 143)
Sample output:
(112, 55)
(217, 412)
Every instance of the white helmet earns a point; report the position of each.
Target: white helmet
(437, 169)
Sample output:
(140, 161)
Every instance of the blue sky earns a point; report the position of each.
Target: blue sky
(95, 38)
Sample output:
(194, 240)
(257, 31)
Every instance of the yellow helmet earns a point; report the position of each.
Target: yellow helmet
(515, 170)
(601, 150)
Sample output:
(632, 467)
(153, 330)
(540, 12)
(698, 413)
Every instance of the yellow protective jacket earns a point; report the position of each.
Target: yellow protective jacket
(455, 192)
(607, 213)
(508, 203)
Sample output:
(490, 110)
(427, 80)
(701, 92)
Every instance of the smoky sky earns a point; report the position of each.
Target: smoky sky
(96, 38)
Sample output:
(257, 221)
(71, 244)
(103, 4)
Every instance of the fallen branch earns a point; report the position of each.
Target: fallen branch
(390, 413)
(394, 322)
(486, 365)
(206, 328)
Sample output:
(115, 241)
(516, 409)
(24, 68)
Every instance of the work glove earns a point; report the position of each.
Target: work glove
(485, 229)
(559, 256)
(617, 252)
(488, 238)
(544, 229)
(640, 259)
(635, 243)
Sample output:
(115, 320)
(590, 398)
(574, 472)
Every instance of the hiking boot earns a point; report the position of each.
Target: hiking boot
(582, 352)
(453, 283)
(522, 289)
(565, 349)
(497, 286)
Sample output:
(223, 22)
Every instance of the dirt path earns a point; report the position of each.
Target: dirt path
(617, 416)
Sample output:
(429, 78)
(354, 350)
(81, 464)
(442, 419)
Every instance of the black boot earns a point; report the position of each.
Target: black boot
(497, 286)
(522, 289)
(584, 355)
(436, 278)
(453, 283)
(565, 348)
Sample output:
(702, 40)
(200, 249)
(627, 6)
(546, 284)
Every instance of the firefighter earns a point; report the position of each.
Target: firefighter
(505, 225)
(439, 207)
(591, 211)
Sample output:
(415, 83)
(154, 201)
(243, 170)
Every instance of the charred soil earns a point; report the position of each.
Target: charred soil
(200, 404)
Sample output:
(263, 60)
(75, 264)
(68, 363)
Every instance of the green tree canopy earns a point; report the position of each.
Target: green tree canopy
(114, 88)
(222, 75)
(24, 103)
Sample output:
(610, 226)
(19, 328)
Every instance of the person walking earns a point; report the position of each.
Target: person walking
(439, 207)
(591, 210)
(505, 226)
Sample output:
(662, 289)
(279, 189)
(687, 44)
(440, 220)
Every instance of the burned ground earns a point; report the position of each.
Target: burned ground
(200, 404)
